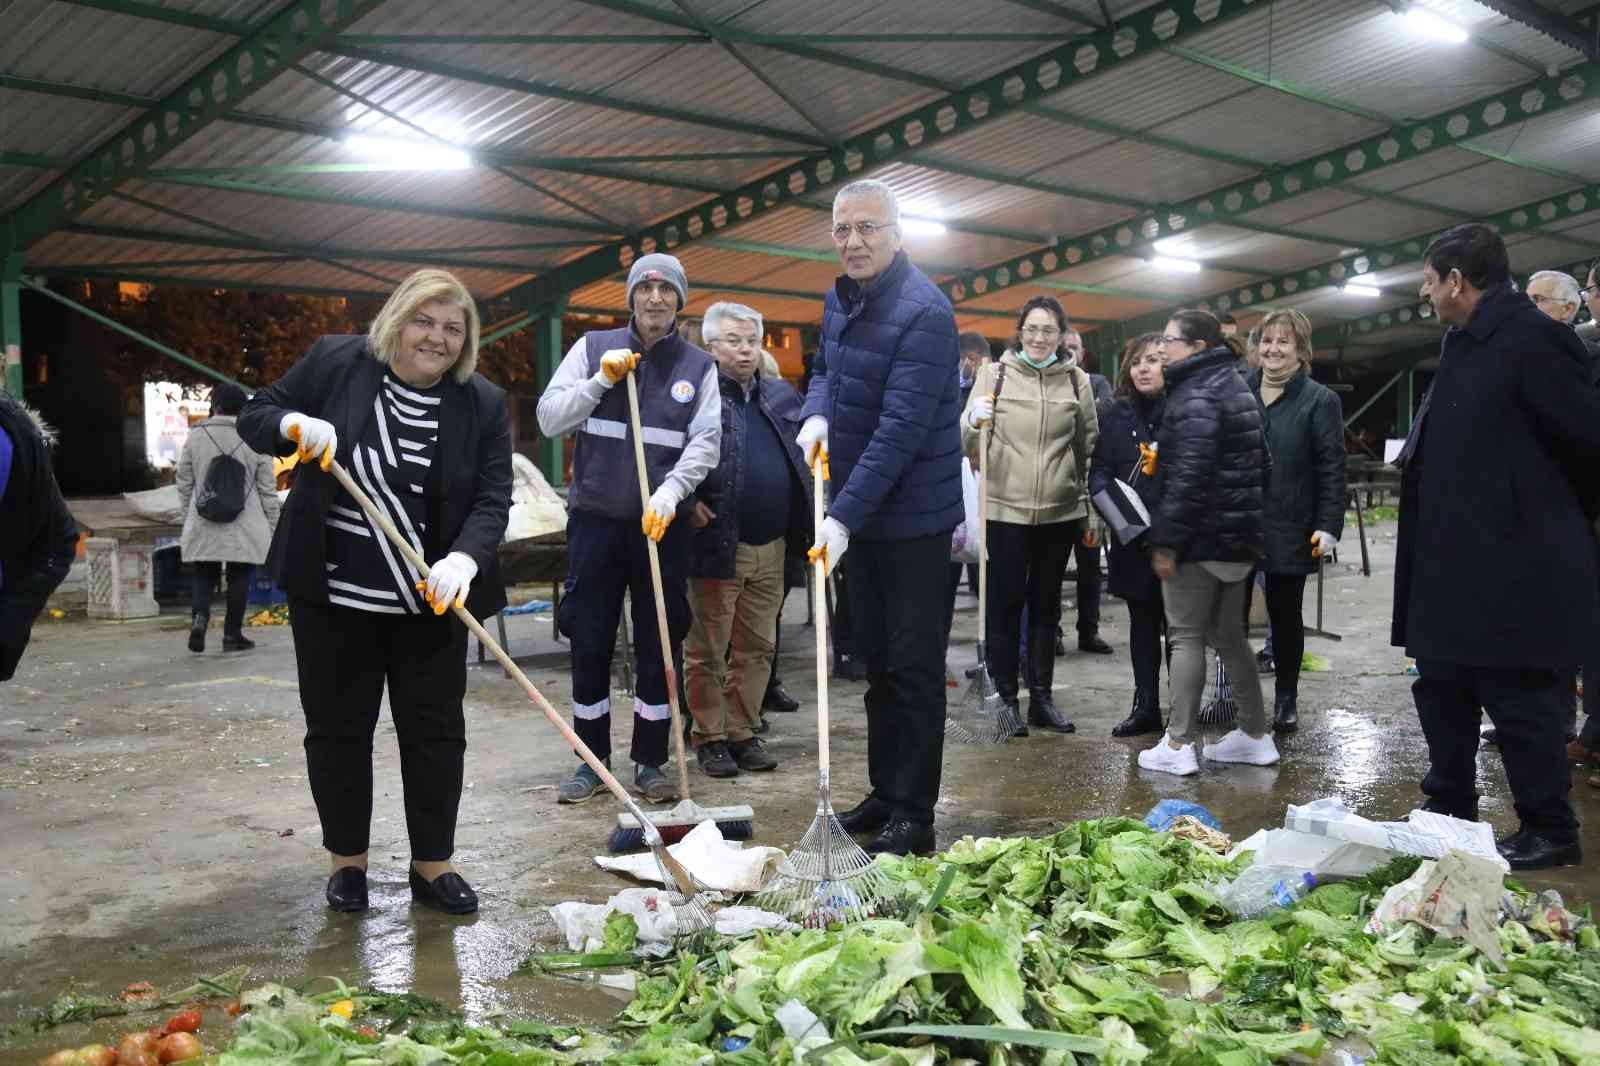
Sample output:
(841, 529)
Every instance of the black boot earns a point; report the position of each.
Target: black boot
(776, 699)
(868, 816)
(1016, 716)
(197, 631)
(1285, 717)
(1042, 710)
(1145, 717)
(902, 837)
(236, 642)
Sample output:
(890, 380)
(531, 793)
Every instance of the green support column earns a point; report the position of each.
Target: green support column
(1405, 403)
(547, 346)
(11, 322)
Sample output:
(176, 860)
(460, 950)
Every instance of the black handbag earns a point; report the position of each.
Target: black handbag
(1124, 513)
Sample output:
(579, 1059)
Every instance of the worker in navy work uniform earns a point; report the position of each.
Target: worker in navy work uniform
(680, 413)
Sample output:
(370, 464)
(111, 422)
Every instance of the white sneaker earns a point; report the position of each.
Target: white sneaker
(1169, 760)
(1237, 746)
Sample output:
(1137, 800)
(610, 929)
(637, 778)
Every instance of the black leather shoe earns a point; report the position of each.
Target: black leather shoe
(238, 643)
(777, 699)
(1093, 645)
(902, 837)
(868, 816)
(1042, 713)
(1265, 663)
(1466, 812)
(447, 892)
(1285, 716)
(347, 889)
(197, 632)
(1529, 849)
(1145, 717)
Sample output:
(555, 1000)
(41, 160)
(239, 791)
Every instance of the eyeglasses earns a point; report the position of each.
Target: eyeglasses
(865, 230)
(1164, 341)
(1042, 332)
(1540, 301)
(1591, 292)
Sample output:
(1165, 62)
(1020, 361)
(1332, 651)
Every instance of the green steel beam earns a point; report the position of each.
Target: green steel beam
(111, 323)
(548, 353)
(284, 192)
(175, 264)
(1524, 218)
(31, 159)
(290, 250)
(516, 325)
(1536, 98)
(105, 274)
(769, 40)
(998, 95)
(1056, 10)
(135, 9)
(293, 31)
(75, 92)
(11, 324)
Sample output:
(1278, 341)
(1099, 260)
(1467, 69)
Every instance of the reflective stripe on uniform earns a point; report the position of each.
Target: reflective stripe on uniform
(591, 711)
(610, 427)
(652, 712)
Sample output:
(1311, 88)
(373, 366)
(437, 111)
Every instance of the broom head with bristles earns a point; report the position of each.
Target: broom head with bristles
(734, 823)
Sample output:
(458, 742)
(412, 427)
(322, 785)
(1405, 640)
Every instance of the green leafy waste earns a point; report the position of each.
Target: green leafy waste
(1103, 942)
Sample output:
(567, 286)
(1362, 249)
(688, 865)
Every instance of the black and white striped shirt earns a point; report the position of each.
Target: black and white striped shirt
(390, 463)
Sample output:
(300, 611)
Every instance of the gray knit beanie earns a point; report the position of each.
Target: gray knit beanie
(658, 266)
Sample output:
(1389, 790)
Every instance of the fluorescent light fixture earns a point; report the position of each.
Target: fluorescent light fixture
(925, 227)
(1425, 23)
(1175, 265)
(1363, 285)
(409, 155)
(1175, 245)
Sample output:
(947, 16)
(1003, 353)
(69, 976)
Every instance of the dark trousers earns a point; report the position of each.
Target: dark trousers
(345, 658)
(1525, 707)
(606, 557)
(898, 603)
(950, 601)
(1147, 621)
(841, 624)
(1285, 593)
(21, 601)
(206, 577)
(1026, 564)
(1089, 582)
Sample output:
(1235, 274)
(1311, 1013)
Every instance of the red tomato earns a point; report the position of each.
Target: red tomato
(185, 1022)
(134, 1044)
(179, 1047)
(233, 1009)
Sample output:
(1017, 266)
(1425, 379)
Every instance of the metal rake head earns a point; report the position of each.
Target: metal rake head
(687, 896)
(983, 716)
(828, 880)
(1219, 708)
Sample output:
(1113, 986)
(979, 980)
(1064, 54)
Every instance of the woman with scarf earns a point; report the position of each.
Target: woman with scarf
(1305, 497)
(1044, 431)
(1130, 426)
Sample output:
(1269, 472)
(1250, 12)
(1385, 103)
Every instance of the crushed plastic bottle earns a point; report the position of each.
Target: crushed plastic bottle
(1265, 888)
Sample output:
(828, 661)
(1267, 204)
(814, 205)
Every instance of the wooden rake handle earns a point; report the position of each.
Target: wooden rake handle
(819, 611)
(657, 584)
(379, 519)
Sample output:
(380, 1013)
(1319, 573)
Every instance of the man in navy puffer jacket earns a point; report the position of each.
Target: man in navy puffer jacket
(885, 408)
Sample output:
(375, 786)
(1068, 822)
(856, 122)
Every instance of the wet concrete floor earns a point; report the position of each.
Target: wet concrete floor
(158, 824)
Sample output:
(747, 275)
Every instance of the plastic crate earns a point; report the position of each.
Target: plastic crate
(263, 593)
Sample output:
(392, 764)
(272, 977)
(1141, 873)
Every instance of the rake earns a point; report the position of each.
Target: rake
(1221, 709)
(827, 879)
(735, 823)
(983, 716)
(686, 895)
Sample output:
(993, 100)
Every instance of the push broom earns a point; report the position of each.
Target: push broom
(735, 823)
(983, 716)
(828, 878)
(686, 895)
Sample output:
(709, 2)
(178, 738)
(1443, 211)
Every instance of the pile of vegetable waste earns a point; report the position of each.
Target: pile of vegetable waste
(1102, 943)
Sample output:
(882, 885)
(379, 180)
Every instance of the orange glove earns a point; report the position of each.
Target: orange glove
(1091, 537)
(617, 364)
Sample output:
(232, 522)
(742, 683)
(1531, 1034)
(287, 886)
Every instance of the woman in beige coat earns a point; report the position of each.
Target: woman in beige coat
(241, 542)
(1038, 463)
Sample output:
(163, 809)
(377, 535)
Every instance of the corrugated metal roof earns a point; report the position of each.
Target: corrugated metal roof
(1145, 172)
(1250, 124)
(1489, 188)
(1376, 222)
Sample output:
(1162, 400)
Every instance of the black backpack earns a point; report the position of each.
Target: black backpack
(226, 484)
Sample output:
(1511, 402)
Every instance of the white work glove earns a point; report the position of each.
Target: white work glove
(833, 540)
(448, 582)
(981, 410)
(663, 508)
(315, 437)
(1323, 544)
(813, 435)
(615, 365)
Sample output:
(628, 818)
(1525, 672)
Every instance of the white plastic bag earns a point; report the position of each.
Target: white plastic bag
(967, 541)
(1457, 897)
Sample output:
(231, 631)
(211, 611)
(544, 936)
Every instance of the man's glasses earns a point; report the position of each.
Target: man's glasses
(1042, 332)
(865, 230)
(1540, 301)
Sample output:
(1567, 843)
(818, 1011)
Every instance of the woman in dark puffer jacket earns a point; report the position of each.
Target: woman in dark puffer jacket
(1305, 498)
(1206, 537)
(1130, 425)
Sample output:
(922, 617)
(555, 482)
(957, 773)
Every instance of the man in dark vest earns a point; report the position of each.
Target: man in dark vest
(680, 414)
(37, 535)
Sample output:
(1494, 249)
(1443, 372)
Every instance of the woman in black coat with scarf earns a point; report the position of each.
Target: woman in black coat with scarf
(427, 440)
(1305, 497)
(1130, 424)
